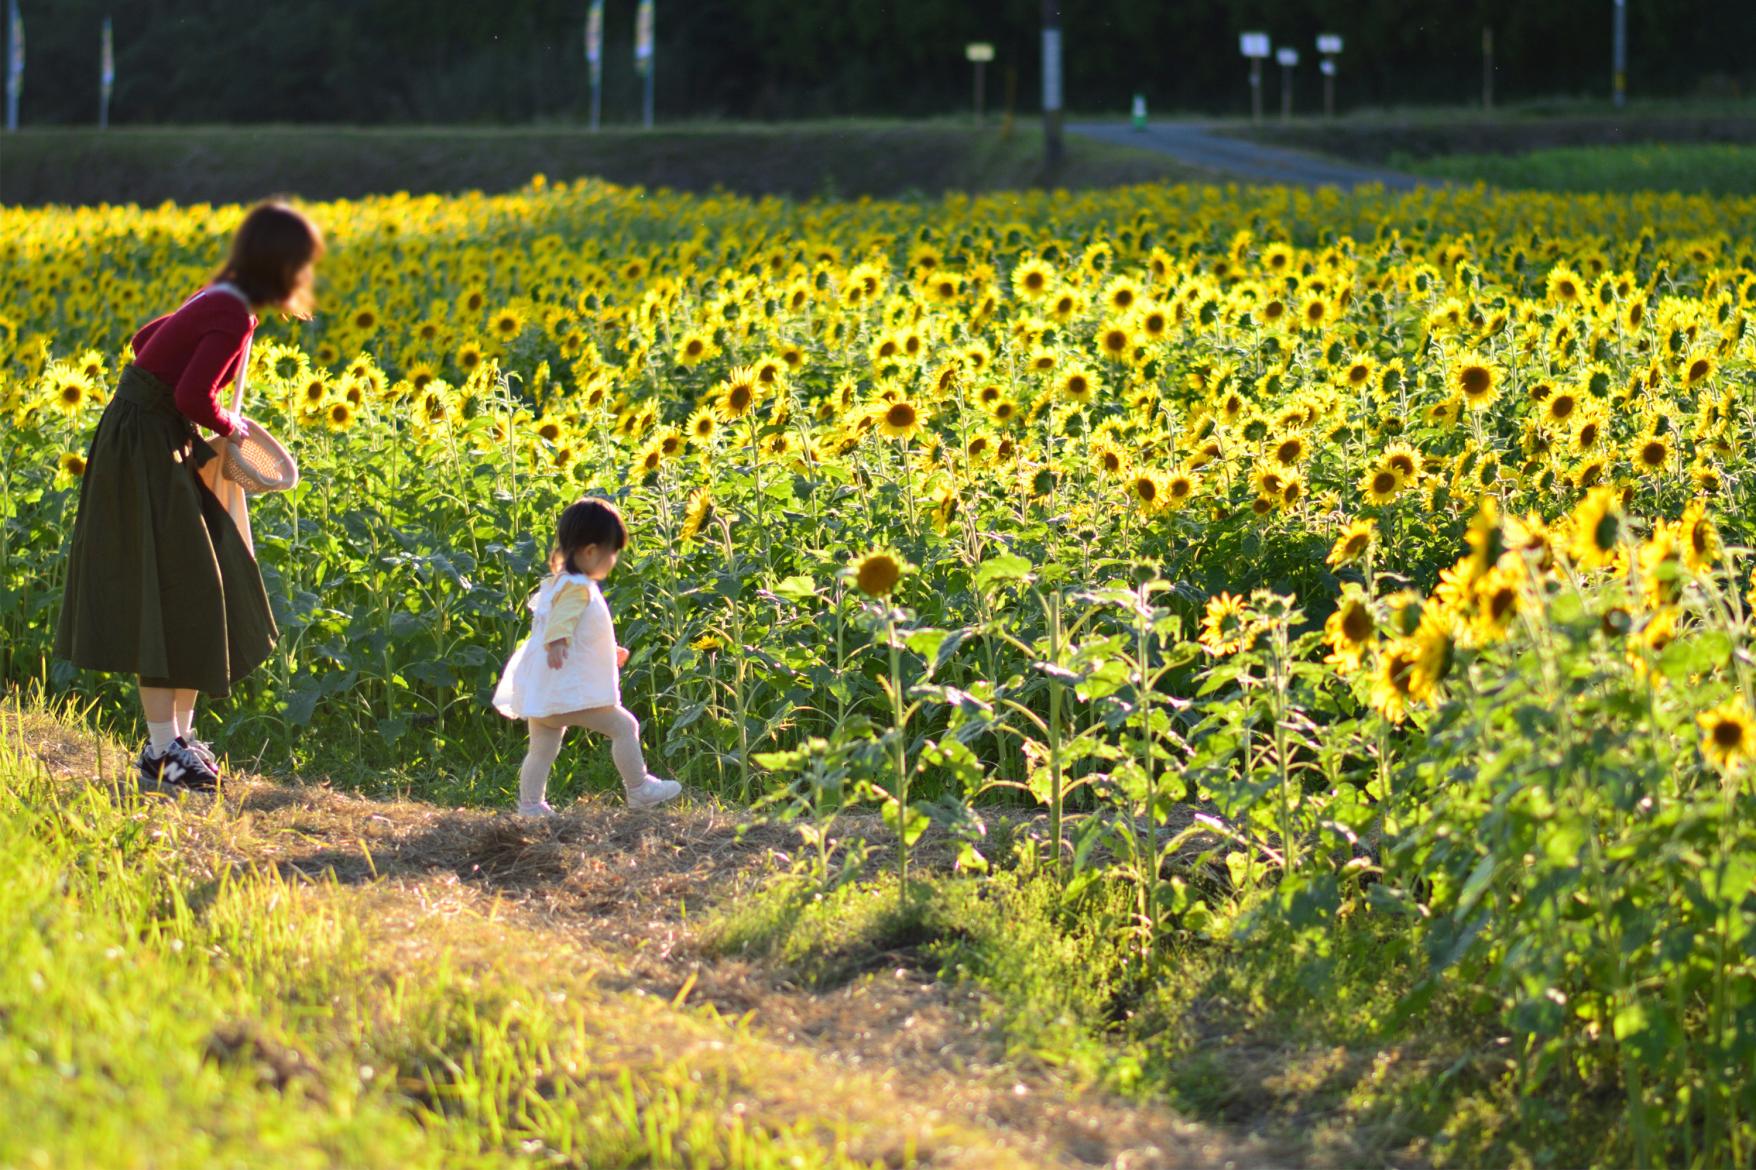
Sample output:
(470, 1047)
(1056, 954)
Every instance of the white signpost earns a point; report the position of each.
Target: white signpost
(978, 53)
(594, 58)
(1255, 46)
(1288, 58)
(1329, 45)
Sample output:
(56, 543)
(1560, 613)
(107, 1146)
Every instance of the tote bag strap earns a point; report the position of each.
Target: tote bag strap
(243, 365)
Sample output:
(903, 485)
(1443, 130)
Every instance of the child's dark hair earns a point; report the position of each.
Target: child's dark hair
(584, 522)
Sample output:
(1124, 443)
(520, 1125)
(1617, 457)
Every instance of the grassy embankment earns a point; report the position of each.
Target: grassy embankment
(847, 159)
(1692, 169)
(295, 976)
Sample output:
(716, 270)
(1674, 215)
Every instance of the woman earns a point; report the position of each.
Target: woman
(160, 583)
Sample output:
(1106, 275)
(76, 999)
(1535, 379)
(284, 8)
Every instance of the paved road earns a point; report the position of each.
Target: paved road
(1248, 161)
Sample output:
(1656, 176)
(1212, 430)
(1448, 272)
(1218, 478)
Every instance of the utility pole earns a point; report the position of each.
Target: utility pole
(1052, 149)
(1619, 65)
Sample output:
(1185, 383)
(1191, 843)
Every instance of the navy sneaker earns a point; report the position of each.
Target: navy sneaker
(178, 767)
(203, 752)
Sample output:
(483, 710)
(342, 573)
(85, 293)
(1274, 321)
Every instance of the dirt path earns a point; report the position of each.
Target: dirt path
(894, 1052)
(1199, 145)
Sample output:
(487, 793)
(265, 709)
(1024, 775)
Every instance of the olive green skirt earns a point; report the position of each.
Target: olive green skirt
(159, 582)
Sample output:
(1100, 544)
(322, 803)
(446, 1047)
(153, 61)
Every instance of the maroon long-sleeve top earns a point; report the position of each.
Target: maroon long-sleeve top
(195, 351)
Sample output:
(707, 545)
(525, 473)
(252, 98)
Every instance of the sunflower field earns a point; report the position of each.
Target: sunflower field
(1327, 561)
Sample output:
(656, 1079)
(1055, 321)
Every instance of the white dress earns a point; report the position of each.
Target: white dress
(530, 689)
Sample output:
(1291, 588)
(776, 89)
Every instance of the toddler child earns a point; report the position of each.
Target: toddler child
(566, 673)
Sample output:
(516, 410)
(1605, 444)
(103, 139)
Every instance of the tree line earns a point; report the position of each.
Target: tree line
(373, 61)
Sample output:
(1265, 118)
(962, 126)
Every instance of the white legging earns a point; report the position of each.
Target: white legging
(615, 723)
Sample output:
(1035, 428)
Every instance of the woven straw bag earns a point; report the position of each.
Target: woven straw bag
(257, 463)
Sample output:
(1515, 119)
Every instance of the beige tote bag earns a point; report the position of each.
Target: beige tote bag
(227, 490)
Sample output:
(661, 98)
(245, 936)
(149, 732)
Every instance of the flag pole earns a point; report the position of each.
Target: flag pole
(14, 62)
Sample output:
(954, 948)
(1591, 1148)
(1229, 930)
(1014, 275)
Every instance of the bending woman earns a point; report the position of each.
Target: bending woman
(160, 583)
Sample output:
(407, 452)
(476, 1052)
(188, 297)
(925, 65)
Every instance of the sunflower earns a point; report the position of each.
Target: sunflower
(702, 425)
(1358, 371)
(878, 572)
(339, 416)
(1108, 458)
(1350, 630)
(1699, 369)
(1032, 279)
(1154, 322)
(1728, 734)
(1597, 529)
(1435, 641)
(71, 392)
(469, 356)
(697, 512)
(1559, 407)
(696, 347)
(1477, 379)
(1499, 597)
(1404, 461)
(421, 373)
(1179, 487)
(1652, 454)
(1149, 490)
(900, 419)
(72, 465)
(737, 394)
(1381, 485)
(1661, 566)
(1353, 543)
(1114, 342)
(364, 319)
(1290, 451)
(1392, 684)
(1065, 305)
(1564, 286)
(1699, 537)
(1077, 385)
(1225, 628)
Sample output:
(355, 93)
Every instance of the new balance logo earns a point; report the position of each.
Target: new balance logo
(172, 771)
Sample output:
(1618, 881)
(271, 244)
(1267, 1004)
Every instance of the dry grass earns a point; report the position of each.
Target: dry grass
(599, 906)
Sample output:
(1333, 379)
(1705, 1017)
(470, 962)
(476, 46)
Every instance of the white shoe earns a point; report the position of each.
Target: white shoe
(539, 809)
(653, 791)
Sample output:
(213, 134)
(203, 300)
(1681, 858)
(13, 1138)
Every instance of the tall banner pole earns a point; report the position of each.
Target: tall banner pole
(106, 77)
(1052, 88)
(14, 62)
(1619, 54)
(643, 57)
(594, 59)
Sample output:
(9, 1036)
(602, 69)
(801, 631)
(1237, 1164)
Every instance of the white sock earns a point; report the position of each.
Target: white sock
(160, 736)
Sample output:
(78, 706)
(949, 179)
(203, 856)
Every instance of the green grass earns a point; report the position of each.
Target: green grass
(847, 159)
(1395, 137)
(161, 1007)
(1694, 169)
(1300, 1038)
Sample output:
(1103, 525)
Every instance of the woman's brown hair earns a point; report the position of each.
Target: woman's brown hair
(272, 258)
